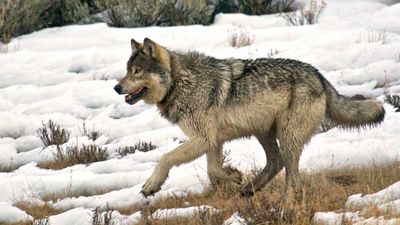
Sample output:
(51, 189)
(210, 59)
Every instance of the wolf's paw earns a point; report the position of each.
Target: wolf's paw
(246, 192)
(151, 186)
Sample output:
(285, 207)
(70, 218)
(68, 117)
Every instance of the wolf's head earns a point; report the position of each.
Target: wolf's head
(148, 74)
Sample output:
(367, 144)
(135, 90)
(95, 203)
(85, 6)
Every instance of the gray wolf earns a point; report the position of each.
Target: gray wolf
(216, 100)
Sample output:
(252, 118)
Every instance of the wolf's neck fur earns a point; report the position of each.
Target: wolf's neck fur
(167, 106)
(199, 82)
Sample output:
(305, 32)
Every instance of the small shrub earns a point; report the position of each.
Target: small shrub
(394, 100)
(18, 16)
(52, 133)
(114, 13)
(260, 7)
(92, 134)
(136, 13)
(140, 146)
(240, 38)
(63, 12)
(102, 218)
(74, 11)
(85, 154)
(306, 16)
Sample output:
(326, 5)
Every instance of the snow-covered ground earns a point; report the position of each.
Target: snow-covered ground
(56, 74)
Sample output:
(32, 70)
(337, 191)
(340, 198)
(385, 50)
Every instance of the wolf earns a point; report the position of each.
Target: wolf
(281, 102)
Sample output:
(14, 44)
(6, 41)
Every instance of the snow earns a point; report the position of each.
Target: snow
(384, 196)
(67, 74)
(11, 214)
(235, 219)
(333, 218)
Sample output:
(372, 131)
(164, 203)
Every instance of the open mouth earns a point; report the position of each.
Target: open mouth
(136, 95)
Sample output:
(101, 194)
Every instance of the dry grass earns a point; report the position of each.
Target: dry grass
(37, 211)
(92, 134)
(322, 191)
(240, 37)
(84, 154)
(306, 16)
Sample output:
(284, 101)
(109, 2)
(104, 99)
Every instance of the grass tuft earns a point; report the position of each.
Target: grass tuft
(306, 16)
(140, 146)
(84, 154)
(37, 211)
(240, 38)
(92, 134)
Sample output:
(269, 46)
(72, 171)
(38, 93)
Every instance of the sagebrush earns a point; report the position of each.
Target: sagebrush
(260, 7)
(306, 16)
(52, 133)
(140, 146)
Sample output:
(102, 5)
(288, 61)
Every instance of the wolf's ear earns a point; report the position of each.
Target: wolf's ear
(136, 46)
(151, 48)
(155, 51)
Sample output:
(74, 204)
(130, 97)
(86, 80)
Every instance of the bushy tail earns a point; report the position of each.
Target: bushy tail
(350, 113)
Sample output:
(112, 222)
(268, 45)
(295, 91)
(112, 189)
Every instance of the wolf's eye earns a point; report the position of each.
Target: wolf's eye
(138, 70)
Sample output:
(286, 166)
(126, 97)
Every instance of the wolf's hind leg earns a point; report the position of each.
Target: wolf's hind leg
(273, 167)
(294, 128)
(215, 170)
(186, 152)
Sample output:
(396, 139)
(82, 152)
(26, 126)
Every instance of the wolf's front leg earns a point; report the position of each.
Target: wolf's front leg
(186, 152)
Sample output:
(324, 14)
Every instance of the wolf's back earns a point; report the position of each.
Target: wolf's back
(350, 113)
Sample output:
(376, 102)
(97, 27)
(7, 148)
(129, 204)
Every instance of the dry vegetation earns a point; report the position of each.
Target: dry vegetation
(20, 16)
(239, 38)
(260, 7)
(92, 133)
(322, 191)
(306, 16)
(140, 146)
(37, 211)
(136, 13)
(52, 133)
(84, 154)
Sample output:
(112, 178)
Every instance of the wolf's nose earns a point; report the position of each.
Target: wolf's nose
(118, 88)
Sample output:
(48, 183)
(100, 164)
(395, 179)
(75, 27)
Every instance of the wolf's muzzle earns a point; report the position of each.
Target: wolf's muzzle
(118, 88)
